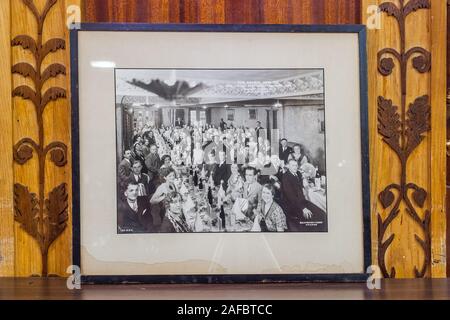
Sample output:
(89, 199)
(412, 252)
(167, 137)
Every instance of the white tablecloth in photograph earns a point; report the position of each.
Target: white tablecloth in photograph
(318, 197)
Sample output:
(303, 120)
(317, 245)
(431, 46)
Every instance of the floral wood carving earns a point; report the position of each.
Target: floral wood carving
(403, 130)
(43, 219)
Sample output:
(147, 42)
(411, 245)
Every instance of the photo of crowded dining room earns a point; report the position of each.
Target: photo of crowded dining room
(220, 150)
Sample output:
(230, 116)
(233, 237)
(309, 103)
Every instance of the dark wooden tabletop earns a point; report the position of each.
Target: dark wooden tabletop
(55, 288)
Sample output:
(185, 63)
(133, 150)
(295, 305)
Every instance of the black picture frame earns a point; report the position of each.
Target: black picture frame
(360, 30)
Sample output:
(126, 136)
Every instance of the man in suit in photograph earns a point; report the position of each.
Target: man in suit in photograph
(211, 164)
(153, 161)
(298, 210)
(130, 214)
(215, 146)
(252, 190)
(284, 151)
(179, 123)
(222, 171)
(146, 187)
(258, 128)
(222, 125)
(124, 169)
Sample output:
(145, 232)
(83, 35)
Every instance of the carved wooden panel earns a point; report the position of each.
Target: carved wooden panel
(40, 150)
(44, 217)
(406, 138)
(403, 130)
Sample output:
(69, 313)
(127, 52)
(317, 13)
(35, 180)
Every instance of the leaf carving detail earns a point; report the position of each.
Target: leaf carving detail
(25, 70)
(386, 198)
(389, 123)
(419, 196)
(26, 210)
(26, 42)
(26, 93)
(56, 212)
(52, 94)
(391, 9)
(52, 71)
(418, 122)
(414, 5)
(53, 45)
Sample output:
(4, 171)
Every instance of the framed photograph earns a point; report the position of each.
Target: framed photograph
(220, 153)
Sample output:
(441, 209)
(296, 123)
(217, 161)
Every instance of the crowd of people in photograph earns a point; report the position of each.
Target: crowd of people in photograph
(233, 178)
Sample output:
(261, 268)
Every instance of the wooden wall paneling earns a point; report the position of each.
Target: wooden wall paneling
(41, 174)
(404, 253)
(6, 164)
(405, 241)
(375, 147)
(223, 11)
(60, 253)
(438, 169)
(244, 11)
(380, 157)
(214, 13)
(27, 257)
(448, 142)
(419, 162)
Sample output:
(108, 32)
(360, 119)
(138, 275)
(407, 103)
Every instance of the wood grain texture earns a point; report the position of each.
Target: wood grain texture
(448, 139)
(405, 253)
(6, 165)
(223, 11)
(56, 124)
(43, 218)
(438, 170)
(403, 128)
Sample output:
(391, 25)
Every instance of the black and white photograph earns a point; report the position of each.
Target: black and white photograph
(232, 151)
(229, 150)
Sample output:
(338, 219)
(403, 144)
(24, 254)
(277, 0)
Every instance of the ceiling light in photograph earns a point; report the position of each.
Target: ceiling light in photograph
(278, 104)
(172, 78)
